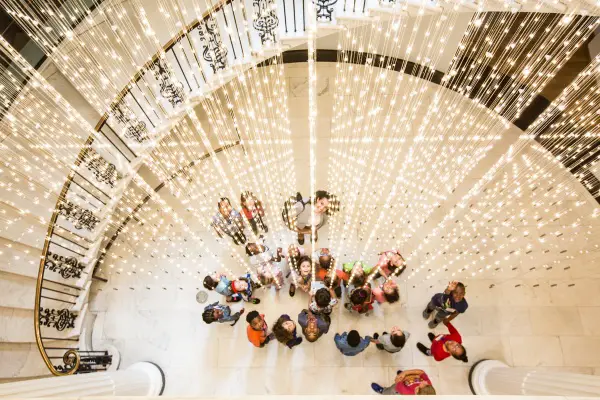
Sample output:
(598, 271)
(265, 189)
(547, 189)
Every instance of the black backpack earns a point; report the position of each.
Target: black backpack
(289, 218)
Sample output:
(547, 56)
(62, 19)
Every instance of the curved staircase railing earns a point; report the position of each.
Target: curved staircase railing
(76, 227)
(62, 284)
(204, 55)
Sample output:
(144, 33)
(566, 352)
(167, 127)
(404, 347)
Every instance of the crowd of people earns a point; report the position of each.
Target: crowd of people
(324, 280)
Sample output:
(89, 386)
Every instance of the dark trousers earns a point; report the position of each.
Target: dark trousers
(439, 315)
(338, 291)
(238, 237)
(258, 223)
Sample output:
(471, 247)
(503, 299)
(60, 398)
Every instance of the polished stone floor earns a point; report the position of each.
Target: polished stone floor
(524, 326)
(533, 317)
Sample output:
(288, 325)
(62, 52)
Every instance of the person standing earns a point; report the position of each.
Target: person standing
(410, 382)
(391, 342)
(254, 212)
(285, 331)
(327, 271)
(387, 292)
(220, 313)
(350, 343)
(446, 305)
(390, 262)
(361, 300)
(324, 259)
(263, 260)
(323, 301)
(298, 213)
(313, 326)
(302, 275)
(228, 222)
(334, 281)
(445, 345)
(356, 272)
(234, 291)
(293, 257)
(257, 329)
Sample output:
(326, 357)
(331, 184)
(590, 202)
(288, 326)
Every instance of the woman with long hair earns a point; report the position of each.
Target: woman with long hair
(285, 331)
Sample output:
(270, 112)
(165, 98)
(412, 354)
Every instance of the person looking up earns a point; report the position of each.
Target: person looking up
(302, 275)
(446, 305)
(285, 331)
(445, 345)
(258, 330)
(391, 342)
(387, 292)
(313, 326)
(410, 382)
(303, 214)
(216, 312)
(234, 291)
(228, 221)
(253, 211)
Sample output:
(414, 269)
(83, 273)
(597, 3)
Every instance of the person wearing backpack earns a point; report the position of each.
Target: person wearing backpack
(298, 213)
(228, 221)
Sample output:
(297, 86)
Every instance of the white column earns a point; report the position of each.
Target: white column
(491, 377)
(140, 379)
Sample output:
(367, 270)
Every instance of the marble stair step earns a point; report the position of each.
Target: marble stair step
(16, 325)
(18, 291)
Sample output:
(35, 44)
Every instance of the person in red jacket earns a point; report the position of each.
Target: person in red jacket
(254, 212)
(445, 345)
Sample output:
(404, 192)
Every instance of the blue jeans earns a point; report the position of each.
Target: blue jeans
(227, 317)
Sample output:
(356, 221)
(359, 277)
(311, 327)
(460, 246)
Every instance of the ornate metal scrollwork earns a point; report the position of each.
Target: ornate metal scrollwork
(214, 52)
(91, 360)
(324, 9)
(170, 88)
(84, 361)
(79, 216)
(266, 22)
(67, 267)
(58, 319)
(70, 361)
(104, 171)
(134, 128)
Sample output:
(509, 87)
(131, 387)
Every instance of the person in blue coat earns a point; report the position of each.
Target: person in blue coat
(350, 343)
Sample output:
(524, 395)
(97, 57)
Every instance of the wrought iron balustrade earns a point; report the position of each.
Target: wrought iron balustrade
(190, 64)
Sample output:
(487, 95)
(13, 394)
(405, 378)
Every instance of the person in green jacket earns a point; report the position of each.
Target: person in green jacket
(357, 272)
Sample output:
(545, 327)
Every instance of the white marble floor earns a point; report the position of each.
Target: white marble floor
(163, 324)
(525, 311)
